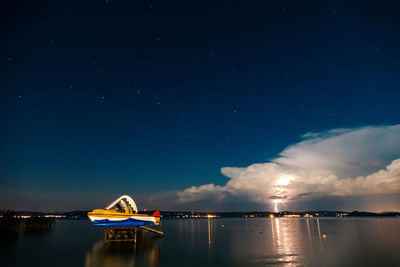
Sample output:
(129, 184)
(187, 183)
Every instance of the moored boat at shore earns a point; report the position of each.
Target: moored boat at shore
(122, 212)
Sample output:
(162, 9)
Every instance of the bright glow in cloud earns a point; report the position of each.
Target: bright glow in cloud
(340, 162)
(283, 181)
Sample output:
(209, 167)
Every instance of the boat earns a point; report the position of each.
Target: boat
(122, 212)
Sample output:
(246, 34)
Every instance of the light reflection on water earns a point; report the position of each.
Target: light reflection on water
(222, 242)
(287, 240)
(99, 256)
(145, 252)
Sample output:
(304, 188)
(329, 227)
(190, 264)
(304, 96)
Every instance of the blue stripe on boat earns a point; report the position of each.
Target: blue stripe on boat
(127, 222)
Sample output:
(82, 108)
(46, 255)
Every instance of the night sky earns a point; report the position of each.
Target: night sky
(149, 98)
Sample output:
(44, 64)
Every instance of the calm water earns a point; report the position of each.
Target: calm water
(215, 242)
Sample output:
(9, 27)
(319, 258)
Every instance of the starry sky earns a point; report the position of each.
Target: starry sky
(150, 98)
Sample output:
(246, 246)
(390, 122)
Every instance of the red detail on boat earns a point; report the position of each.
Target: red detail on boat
(156, 213)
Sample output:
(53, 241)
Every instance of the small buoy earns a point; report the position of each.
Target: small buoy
(324, 236)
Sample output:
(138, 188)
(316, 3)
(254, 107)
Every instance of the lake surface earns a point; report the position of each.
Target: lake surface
(214, 242)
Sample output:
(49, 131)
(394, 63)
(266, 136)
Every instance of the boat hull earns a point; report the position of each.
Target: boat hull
(123, 212)
(122, 219)
(121, 223)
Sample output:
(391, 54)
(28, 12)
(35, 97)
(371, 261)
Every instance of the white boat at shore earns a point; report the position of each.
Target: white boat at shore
(122, 212)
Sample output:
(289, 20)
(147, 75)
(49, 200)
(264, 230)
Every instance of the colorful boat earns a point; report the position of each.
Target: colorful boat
(122, 212)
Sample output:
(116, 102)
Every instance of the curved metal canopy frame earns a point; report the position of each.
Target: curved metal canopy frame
(125, 201)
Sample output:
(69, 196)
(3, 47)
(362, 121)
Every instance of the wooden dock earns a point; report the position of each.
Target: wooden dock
(126, 234)
(152, 230)
(120, 234)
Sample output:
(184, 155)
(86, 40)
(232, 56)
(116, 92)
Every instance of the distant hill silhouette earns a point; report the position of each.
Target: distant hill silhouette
(248, 214)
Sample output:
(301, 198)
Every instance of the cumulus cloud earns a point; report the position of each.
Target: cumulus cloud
(339, 162)
(195, 193)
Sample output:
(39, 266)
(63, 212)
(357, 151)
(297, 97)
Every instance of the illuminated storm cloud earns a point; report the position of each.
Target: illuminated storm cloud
(340, 162)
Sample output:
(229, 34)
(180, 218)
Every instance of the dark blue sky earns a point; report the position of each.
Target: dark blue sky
(145, 97)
